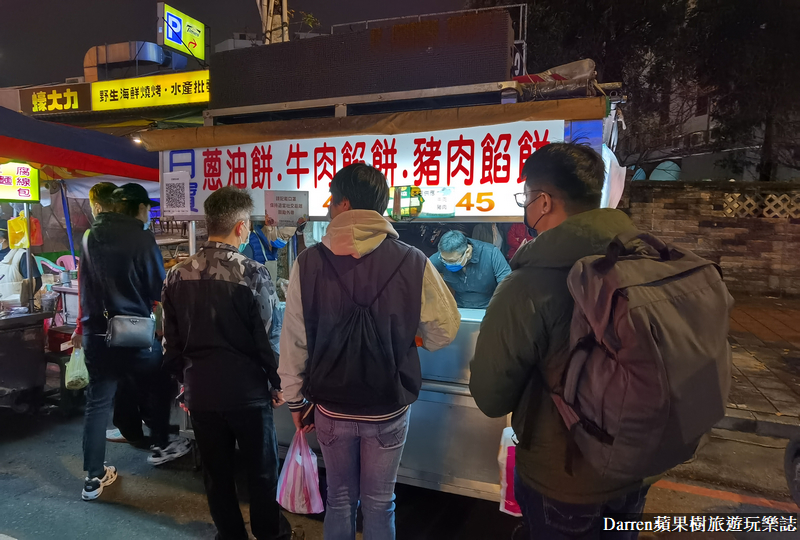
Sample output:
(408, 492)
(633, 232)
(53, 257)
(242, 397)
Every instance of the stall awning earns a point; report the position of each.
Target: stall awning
(379, 124)
(69, 152)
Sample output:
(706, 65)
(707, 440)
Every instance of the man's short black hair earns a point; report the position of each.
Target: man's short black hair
(453, 242)
(103, 194)
(363, 185)
(224, 208)
(575, 172)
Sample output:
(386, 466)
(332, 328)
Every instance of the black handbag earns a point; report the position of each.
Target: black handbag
(124, 330)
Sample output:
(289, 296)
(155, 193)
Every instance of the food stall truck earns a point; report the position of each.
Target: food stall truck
(466, 162)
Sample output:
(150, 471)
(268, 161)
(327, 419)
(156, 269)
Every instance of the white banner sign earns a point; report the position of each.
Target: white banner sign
(478, 167)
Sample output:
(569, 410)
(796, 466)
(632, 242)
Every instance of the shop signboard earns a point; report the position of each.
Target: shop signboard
(151, 91)
(468, 173)
(59, 99)
(178, 31)
(19, 182)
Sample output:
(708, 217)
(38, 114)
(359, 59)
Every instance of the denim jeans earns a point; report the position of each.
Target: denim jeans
(217, 433)
(106, 366)
(549, 519)
(361, 462)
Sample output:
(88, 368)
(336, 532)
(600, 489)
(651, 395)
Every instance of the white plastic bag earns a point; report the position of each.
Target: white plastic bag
(507, 460)
(298, 485)
(77, 375)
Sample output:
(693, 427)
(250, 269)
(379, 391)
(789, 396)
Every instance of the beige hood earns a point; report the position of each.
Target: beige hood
(357, 233)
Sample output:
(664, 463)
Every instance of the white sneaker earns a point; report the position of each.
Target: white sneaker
(115, 435)
(93, 487)
(177, 448)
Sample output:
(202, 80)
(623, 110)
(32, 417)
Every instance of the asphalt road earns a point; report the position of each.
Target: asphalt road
(41, 478)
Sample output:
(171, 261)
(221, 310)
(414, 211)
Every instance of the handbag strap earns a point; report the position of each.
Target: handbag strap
(87, 258)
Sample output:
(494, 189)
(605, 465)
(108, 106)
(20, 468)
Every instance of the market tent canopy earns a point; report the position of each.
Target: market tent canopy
(378, 124)
(69, 152)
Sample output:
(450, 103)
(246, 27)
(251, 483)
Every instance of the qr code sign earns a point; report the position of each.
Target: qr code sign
(177, 196)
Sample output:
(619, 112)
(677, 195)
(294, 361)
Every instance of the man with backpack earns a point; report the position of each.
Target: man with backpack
(354, 307)
(609, 398)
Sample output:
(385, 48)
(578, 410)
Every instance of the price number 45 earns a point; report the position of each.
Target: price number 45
(483, 202)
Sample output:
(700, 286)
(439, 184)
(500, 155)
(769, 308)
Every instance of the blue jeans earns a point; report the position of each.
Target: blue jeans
(106, 366)
(361, 462)
(549, 519)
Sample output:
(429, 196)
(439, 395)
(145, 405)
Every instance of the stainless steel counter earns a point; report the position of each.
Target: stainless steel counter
(22, 361)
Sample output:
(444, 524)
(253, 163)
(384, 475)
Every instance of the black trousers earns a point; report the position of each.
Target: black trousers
(132, 406)
(217, 433)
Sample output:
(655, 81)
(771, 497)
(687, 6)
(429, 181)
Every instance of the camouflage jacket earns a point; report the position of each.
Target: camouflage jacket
(218, 314)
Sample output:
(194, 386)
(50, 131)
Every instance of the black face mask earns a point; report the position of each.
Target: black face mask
(531, 228)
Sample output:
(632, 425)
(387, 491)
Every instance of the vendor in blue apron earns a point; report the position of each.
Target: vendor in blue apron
(471, 268)
(263, 247)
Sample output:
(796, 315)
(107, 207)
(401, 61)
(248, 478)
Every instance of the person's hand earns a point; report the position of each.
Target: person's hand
(277, 399)
(297, 416)
(77, 340)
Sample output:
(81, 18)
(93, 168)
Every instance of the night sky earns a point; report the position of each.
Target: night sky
(45, 41)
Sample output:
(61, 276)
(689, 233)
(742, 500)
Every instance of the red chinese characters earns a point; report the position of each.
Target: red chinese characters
(426, 161)
(496, 160)
(527, 146)
(460, 160)
(24, 193)
(384, 158)
(23, 182)
(324, 164)
(5, 180)
(237, 163)
(262, 167)
(353, 154)
(296, 154)
(24, 171)
(212, 169)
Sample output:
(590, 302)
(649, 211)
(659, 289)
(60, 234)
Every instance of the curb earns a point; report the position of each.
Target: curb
(768, 425)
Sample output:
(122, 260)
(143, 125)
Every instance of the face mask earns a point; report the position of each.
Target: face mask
(532, 228)
(146, 225)
(279, 243)
(243, 245)
(455, 267)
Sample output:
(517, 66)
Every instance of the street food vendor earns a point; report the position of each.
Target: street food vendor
(13, 269)
(264, 242)
(471, 268)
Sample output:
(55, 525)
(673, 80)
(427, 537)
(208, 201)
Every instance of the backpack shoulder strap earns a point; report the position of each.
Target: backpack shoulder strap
(327, 262)
(391, 277)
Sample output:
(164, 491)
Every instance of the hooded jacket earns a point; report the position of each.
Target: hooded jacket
(357, 233)
(122, 273)
(522, 343)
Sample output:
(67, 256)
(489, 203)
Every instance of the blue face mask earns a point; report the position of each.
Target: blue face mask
(146, 225)
(454, 267)
(279, 243)
(242, 247)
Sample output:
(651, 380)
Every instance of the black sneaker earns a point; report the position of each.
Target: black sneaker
(177, 448)
(93, 487)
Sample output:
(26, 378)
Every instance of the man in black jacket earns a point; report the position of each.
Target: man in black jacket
(218, 308)
(121, 273)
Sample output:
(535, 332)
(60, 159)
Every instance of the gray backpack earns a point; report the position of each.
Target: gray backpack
(649, 368)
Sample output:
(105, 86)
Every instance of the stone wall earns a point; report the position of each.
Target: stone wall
(752, 230)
